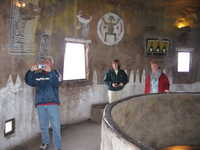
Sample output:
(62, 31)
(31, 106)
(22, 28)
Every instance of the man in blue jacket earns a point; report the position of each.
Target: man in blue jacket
(46, 80)
(115, 79)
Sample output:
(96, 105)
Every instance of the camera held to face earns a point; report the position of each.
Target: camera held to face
(41, 66)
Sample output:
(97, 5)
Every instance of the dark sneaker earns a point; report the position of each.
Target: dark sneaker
(44, 147)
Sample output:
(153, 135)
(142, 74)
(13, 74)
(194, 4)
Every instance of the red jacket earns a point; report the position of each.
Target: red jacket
(163, 84)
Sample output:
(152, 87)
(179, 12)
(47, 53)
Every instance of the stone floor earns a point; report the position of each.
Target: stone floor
(82, 136)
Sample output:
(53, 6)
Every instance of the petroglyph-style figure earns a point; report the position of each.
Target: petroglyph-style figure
(84, 24)
(44, 45)
(20, 23)
(110, 29)
(110, 25)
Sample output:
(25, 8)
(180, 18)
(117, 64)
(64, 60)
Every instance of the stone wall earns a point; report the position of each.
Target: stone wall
(40, 29)
(17, 101)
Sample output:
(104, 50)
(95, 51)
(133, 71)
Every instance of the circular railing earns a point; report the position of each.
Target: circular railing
(152, 122)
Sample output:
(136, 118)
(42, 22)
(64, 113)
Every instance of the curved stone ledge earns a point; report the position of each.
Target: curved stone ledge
(152, 122)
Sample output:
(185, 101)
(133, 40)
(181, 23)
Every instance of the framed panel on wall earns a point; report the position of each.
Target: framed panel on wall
(156, 47)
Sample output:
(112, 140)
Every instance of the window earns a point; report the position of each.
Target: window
(184, 61)
(9, 127)
(74, 61)
(183, 71)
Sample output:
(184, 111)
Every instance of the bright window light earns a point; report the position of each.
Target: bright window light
(74, 61)
(9, 127)
(183, 61)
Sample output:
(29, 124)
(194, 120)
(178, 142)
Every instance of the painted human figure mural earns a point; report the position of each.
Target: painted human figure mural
(44, 45)
(84, 24)
(110, 25)
(110, 29)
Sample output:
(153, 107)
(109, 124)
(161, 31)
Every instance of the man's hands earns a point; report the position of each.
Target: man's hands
(35, 67)
(115, 85)
(47, 68)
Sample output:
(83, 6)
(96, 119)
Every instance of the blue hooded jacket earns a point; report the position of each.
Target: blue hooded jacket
(46, 84)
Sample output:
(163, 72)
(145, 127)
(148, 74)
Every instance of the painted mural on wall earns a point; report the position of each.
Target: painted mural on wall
(17, 26)
(83, 24)
(44, 45)
(156, 47)
(21, 29)
(110, 29)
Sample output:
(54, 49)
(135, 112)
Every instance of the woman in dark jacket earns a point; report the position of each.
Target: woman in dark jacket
(115, 79)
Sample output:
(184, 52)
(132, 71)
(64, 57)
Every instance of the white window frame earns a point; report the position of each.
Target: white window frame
(86, 48)
(184, 50)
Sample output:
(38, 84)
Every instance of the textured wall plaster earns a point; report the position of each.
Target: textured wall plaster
(17, 101)
(59, 21)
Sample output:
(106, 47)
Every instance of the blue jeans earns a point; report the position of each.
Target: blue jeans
(46, 114)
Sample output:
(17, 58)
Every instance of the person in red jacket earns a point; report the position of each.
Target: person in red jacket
(156, 81)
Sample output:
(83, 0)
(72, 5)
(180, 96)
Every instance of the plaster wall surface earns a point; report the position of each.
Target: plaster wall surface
(17, 101)
(58, 20)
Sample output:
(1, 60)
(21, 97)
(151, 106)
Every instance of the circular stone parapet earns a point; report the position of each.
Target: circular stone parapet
(152, 122)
